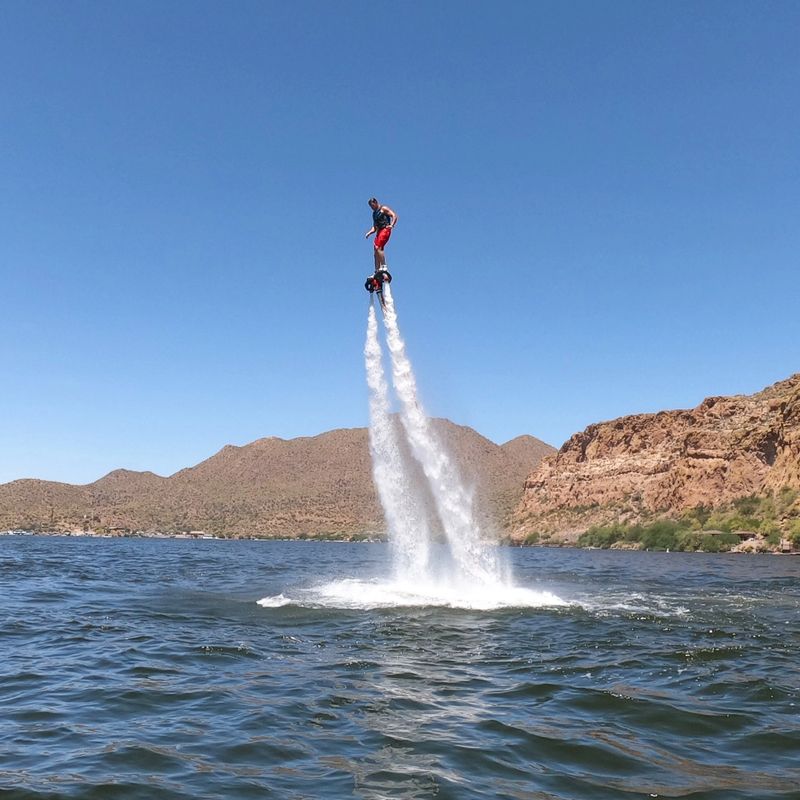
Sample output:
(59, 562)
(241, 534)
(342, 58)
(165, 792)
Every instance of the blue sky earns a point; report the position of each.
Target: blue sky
(598, 203)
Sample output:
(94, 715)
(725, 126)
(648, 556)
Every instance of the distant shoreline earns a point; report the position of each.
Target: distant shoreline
(202, 536)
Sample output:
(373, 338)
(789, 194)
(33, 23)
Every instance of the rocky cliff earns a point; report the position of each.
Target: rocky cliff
(273, 487)
(633, 468)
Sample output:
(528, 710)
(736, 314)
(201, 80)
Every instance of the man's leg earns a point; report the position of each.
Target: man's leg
(380, 242)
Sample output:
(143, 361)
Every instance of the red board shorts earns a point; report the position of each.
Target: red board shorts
(381, 237)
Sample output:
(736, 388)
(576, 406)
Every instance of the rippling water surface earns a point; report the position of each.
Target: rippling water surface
(149, 669)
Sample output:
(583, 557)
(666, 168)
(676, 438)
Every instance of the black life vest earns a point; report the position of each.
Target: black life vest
(380, 219)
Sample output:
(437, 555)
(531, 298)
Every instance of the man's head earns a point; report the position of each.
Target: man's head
(373, 203)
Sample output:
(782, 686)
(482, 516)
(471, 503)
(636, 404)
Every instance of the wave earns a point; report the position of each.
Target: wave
(353, 593)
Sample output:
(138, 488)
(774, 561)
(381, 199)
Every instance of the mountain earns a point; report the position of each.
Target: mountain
(320, 485)
(637, 467)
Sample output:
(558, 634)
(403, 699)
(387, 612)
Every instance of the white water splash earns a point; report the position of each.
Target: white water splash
(474, 557)
(404, 509)
(369, 594)
(465, 574)
(443, 593)
(275, 601)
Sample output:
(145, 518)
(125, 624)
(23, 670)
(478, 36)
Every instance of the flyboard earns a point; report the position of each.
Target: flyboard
(374, 283)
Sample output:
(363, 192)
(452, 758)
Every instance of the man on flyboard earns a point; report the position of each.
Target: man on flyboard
(383, 220)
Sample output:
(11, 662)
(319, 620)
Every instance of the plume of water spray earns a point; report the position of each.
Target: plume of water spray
(409, 534)
(474, 558)
(475, 583)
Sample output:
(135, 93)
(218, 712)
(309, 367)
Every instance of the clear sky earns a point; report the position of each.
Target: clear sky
(599, 207)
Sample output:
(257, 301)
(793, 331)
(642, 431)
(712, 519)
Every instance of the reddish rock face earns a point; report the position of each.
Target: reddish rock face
(631, 467)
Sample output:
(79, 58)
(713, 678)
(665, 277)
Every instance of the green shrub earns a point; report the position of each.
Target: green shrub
(718, 521)
(634, 533)
(727, 541)
(601, 536)
(685, 541)
(695, 518)
(748, 506)
(715, 543)
(774, 538)
(668, 534)
(689, 541)
(660, 535)
(740, 523)
(768, 527)
(785, 499)
(699, 514)
(767, 510)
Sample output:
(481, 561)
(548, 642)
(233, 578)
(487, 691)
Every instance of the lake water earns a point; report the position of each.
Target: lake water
(148, 669)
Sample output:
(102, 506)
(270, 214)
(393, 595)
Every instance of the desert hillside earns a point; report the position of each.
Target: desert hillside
(320, 485)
